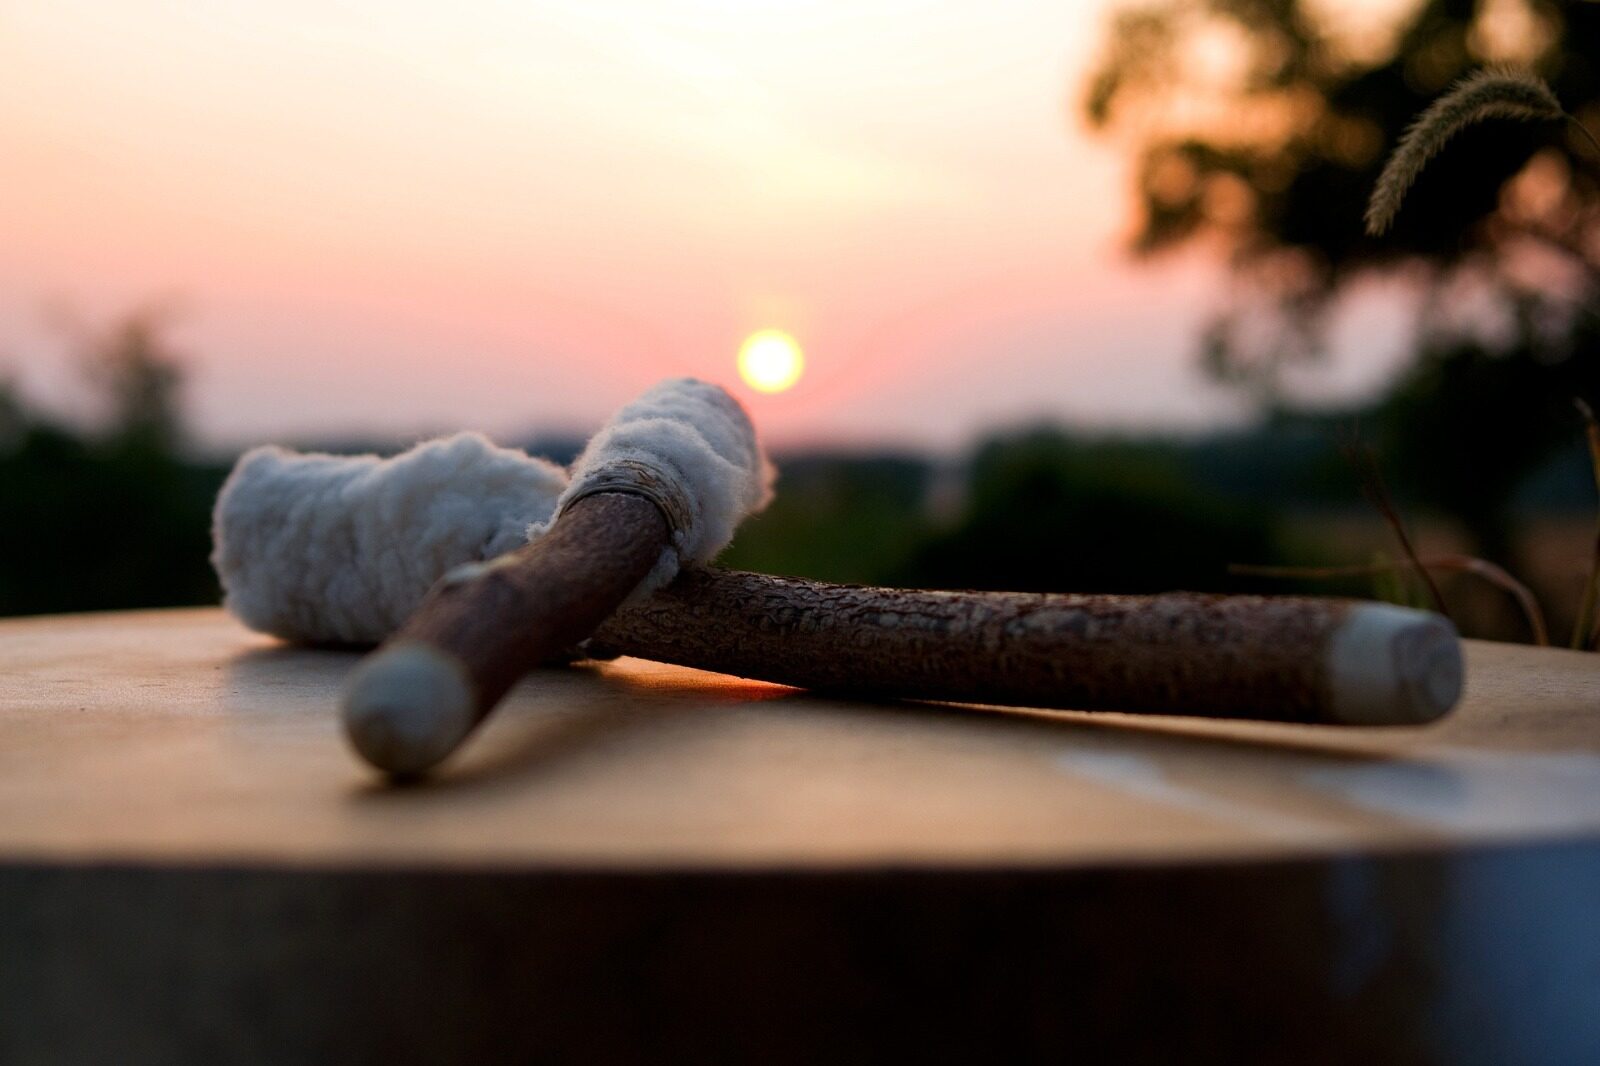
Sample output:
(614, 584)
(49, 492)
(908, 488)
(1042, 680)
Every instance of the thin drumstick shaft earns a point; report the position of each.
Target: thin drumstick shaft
(416, 698)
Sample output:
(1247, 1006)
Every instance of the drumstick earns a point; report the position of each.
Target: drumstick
(1338, 662)
(665, 482)
(1287, 659)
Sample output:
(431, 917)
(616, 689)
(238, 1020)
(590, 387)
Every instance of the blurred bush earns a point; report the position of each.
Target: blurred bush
(1048, 512)
(838, 517)
(112, 518)
(1038, 509)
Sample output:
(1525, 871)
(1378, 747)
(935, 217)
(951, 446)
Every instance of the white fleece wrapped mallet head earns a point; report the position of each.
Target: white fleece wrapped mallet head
(327, 549)
(665, 483)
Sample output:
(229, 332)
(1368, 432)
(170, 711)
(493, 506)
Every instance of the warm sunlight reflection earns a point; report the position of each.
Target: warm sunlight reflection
(770, 360)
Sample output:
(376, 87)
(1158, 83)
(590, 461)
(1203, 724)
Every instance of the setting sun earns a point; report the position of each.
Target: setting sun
(770, 360)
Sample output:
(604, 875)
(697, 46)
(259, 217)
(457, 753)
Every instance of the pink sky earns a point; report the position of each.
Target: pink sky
(402, 217)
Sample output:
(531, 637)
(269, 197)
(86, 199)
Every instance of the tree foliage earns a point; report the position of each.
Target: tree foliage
(116, 516)
(1049, 512)
(1262, 126)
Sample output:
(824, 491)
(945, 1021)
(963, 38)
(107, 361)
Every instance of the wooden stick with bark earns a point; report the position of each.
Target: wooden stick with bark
(1288, 659)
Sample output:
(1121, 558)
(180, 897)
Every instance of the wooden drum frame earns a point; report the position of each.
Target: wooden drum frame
(635, 861)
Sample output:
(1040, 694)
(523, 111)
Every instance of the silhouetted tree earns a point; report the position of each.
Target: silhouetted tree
(139, 375)
(1260, 127)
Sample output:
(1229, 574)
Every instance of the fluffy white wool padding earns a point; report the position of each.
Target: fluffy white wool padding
(326, 548)
(336, 548)
(695, 439)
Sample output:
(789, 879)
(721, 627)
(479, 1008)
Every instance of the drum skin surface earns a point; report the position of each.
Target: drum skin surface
(639, 862)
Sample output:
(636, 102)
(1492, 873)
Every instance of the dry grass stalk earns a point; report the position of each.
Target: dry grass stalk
(1372, 485)
(1487, 94)
(1465, 564)
(1586, 630)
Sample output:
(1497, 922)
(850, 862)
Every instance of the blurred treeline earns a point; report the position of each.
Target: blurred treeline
(119, 516)
(1050, 509)
(116, 516)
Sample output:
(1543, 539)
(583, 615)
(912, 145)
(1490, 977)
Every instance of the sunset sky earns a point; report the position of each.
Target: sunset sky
(405, 217)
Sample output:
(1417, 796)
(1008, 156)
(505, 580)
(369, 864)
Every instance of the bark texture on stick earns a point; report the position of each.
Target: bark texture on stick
(548, 595)
(1272, 658)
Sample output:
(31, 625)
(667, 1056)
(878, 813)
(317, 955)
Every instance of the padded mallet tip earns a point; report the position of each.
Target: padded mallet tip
(407, 707)
(1391, 665)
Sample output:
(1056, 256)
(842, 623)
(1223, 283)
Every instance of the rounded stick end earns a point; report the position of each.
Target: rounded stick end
(1389, 665)
(408, 706)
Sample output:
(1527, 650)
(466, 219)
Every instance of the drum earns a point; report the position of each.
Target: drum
(635, 861)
